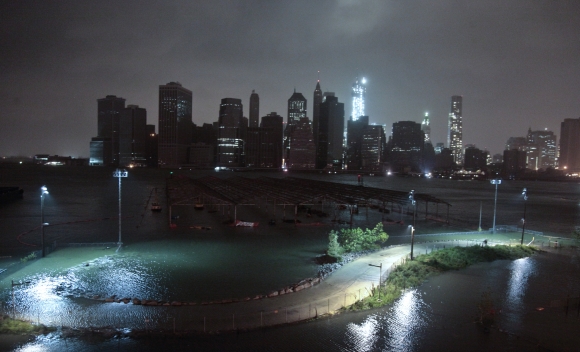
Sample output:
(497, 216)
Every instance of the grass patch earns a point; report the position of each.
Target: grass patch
(413, 273)
(17, 327)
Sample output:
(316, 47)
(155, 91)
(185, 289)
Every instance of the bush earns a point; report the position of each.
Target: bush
(356, 240)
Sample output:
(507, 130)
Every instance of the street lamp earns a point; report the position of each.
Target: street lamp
(380, 266)
(13, 300)
(525, 194)
(413, 202)
(120, 174)
(495, 182)
(43, 191)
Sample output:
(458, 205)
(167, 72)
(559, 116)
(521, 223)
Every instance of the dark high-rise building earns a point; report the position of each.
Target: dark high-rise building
(276, 123)
(254, 109)
(296, 111)
(302, 150)
(354, 134)
(475, 159)
(133, 136)
(316, 101)
(517, 143)
(105, 147)
(175, 124)
(569, 160)
(405, 147)
(455, 129)
(330, 130)
(514, 163)
(230, 146)
(152, 146)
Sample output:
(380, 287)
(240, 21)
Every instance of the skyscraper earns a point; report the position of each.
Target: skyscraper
(570, 145)
(426, 128)
(359, 92)
(455, 129)
(296, 111)
(302, 153)
(133, 136)
(405, 147)
(230, 149)
(354, 138)
(109, 117)
(175, 124)
(330, 132)
(254, 109)
(541, 149)
(276, 123)
(316, 101)
(372, 148)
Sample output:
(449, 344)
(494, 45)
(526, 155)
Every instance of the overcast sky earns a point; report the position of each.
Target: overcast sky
(516, 63)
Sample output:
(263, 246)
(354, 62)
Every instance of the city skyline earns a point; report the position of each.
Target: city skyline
(514, 64)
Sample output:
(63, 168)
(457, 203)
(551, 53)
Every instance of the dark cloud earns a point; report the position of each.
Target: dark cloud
(515, 62)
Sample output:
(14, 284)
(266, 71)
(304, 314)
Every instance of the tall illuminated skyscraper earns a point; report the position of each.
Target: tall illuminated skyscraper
(359, 92)
(426, 128)
(455, 129)
(296, 112)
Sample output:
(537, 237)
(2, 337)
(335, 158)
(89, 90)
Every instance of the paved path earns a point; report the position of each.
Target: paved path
(343, 287)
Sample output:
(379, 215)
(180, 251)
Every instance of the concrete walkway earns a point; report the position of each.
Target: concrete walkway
(343, 287)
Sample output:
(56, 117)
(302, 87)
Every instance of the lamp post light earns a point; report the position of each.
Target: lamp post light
(495, 182)
(119, 173)
(13, 300)
(525, 194)
(413, 202)
(380, 266)
(43, 191)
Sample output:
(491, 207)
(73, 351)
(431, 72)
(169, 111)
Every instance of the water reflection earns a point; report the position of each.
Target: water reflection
(397, 329)
(521, 270)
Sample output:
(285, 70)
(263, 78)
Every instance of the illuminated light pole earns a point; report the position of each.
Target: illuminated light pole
(120, 174)
(43, 191)
(380, 266)
(525, 194)
(495, 182)
(413, 202)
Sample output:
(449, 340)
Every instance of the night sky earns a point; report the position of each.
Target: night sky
(516, 63)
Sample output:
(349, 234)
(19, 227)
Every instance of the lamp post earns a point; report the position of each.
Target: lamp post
(413, 202)
(525, 194)
(13, 300)
(495, 182)
(119, 173)
(380, 266)
(43, 191)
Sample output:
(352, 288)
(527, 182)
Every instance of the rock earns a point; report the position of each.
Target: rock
(289, 290)
(298, 288)
(315, 281)
(281, 292)
(110, 299)
(136, 301)
(96, 297)
(273, 294)
(175, 303)
(307, 284)
(246, 299)
(258, 297)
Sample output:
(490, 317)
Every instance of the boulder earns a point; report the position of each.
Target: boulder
(273, 294)
(298, 288)
(136, 301)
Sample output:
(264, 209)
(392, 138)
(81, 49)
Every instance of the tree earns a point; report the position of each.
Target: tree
(356, 240)
(334, 249)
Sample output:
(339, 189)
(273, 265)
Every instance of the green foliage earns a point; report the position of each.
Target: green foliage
(356, 240)
(31, 256)
(13, 326)
(334, 249)
(413, 273)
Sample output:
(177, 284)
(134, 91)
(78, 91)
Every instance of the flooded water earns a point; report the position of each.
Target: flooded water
(185, 264)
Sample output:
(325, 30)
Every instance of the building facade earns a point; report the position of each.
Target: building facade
(405, 147)
(230, 144)
(316, 101)
(254, 109)
(455, 129)
(569, 160)
(542, 149)
(276, 123)
(175, 124)
(302, 153)
(359, 92)
(329, 133)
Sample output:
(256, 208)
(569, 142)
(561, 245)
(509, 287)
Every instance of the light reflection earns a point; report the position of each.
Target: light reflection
(399, 327)
(364, 336)
(521, 271)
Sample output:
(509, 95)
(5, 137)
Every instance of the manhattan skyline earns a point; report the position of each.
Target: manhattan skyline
(515, 64)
